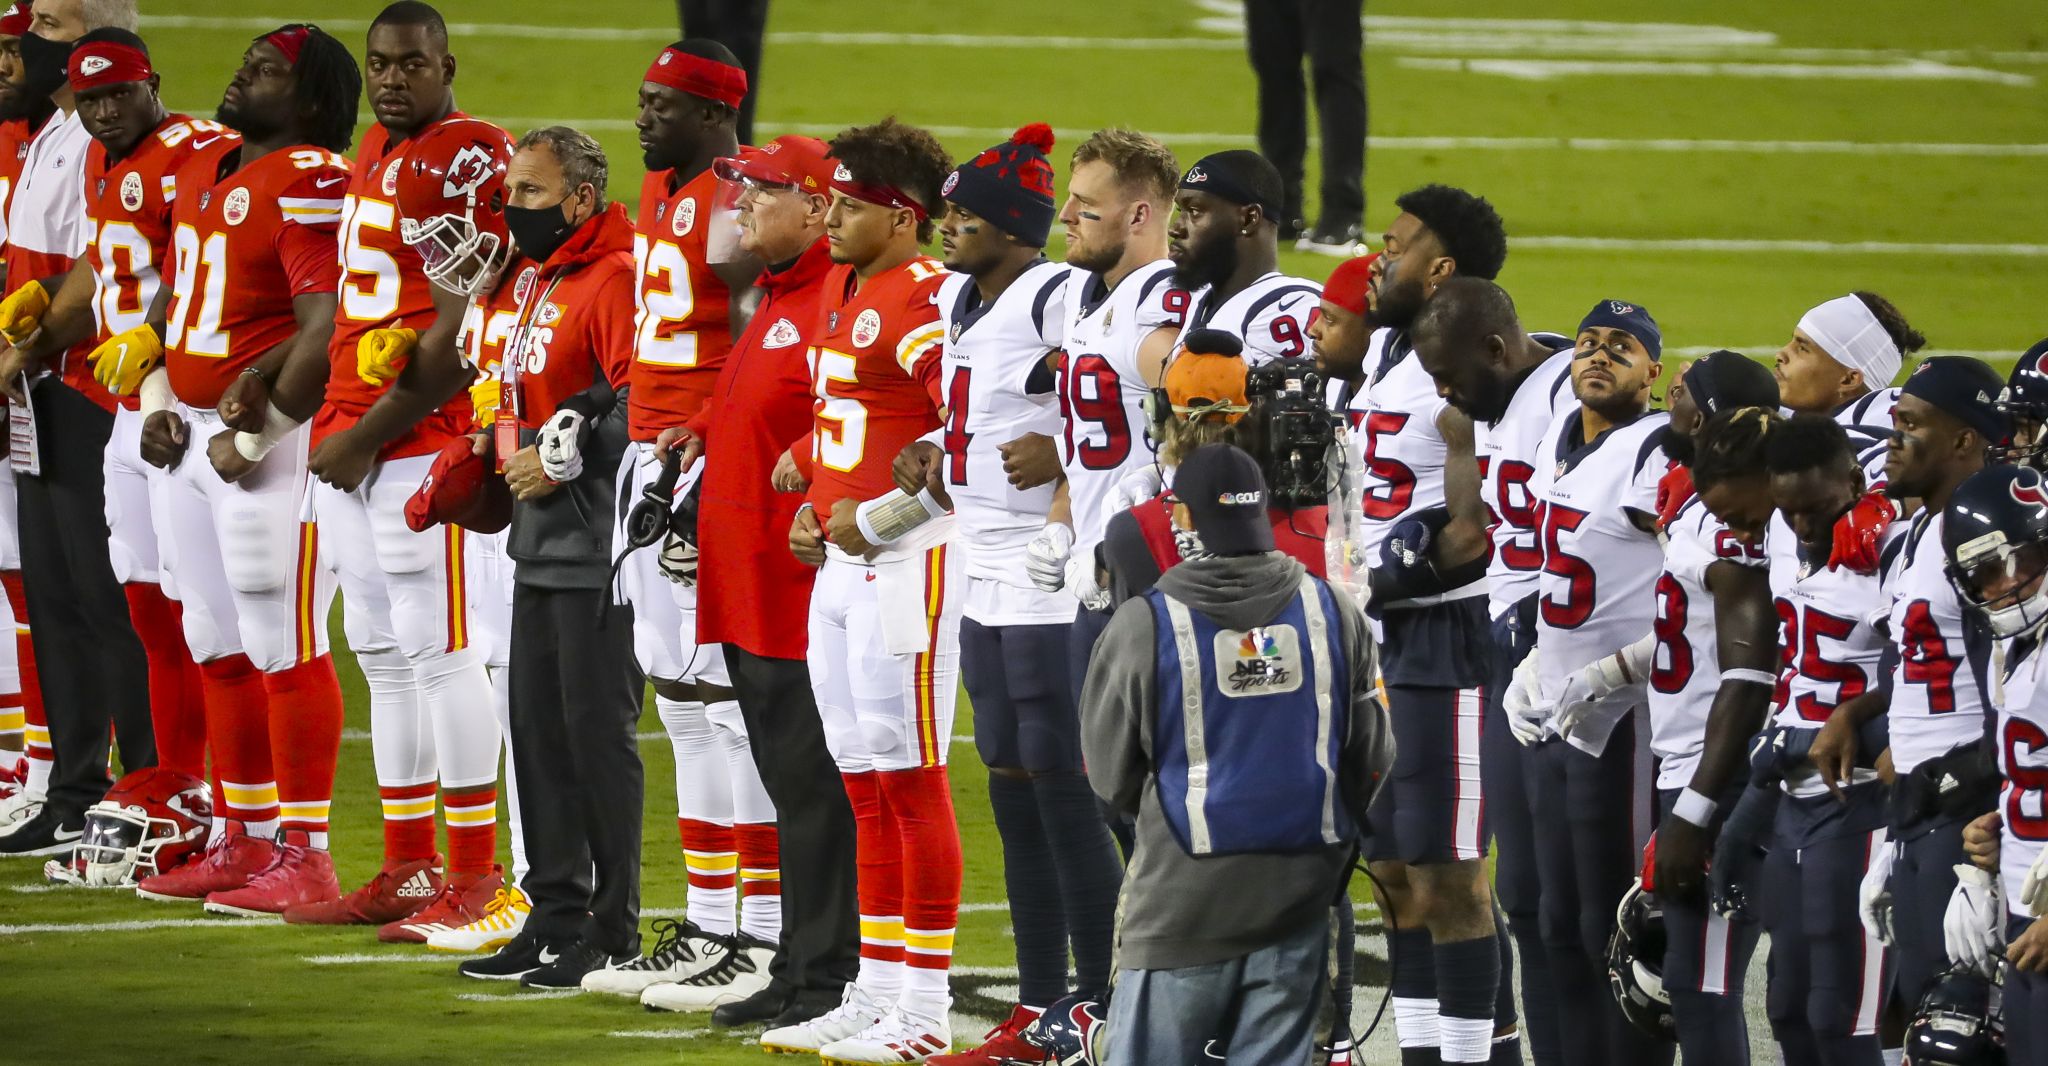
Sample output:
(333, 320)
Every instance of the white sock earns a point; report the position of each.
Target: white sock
(1894, 1056)
(1463, 1039)
(1415, 1022)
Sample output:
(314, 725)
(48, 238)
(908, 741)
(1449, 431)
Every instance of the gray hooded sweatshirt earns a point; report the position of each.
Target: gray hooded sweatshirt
(1178, 910)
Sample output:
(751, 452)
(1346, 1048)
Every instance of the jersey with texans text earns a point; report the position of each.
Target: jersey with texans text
(2022, 701)
(1508, 451)
(998, 387)
(1937, 703)
(1831, 651)
(1270, 315)
(1685, 674)
(1102, 389)
(1599, 565)
(244, 245)
(383, 286)
(875, 371)
(128, 219)
(682, 324)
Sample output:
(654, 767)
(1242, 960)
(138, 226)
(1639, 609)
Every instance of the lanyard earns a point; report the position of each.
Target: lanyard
(511, 402)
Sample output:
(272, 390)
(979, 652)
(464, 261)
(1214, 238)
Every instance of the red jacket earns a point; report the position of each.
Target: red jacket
(753, 592)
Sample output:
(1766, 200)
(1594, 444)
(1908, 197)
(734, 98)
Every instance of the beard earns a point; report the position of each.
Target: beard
(1209, 264)
(1094, 260)
(1680, 447)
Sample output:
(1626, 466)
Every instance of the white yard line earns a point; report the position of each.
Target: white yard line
(660, 1034)
(1718, 244)
(394, 959)
(519, 996)
(1914, 69)
(138, 926)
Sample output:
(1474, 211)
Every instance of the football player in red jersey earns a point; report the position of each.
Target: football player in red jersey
(885, 621)
(251, 280)
(393, 384)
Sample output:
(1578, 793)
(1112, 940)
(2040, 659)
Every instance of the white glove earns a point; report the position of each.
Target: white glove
(2034, 890)
(1874, 897)
(1974, 925)
(678, 560)
(561, 450)
(1586, 689)
(1141, 484)
(1527, 715)
(1045, 558)
(1081, 582)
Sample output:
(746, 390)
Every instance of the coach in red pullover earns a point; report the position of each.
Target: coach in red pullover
(753, 596)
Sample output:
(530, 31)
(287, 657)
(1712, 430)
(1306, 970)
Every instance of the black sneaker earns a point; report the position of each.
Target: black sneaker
(515, 960)
(45, 834)
(1338, 238)
(766, 1005)
(573, 964)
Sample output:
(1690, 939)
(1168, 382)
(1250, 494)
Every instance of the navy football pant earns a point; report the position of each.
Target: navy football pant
(1922, 879)
(1706, 958)
(1828, 979)
(1515, 882)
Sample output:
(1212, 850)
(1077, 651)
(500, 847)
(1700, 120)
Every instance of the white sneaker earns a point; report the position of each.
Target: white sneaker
(739, 970)
(899, 1037)
(19, 810)
(855, 1014)
(681, 950)
(502, 920)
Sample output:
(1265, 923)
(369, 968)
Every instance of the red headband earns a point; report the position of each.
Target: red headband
(885, 195)
(699, 76)
(1349, 283)
(17, 19)
(290, 40)
(106, 63)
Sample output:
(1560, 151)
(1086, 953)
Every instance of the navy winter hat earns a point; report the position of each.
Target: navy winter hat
(1010, 185)
(1629, 318)
(1966, 389)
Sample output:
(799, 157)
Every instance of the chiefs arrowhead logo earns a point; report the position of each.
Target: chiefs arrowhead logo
(466, 171)
(781, 335)
(840, 173)
(92, 65)
(549, 314)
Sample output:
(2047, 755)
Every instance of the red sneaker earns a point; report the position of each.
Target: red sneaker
(463, 900)
(1003, 1046)
(396, 892)
(230, 862)
(302, 875)
(13, 775)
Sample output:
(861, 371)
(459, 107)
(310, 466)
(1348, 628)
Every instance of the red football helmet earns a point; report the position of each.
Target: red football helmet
(150, 822)
(451, 202)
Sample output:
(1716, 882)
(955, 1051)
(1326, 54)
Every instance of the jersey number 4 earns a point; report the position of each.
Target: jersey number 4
(1927, 660)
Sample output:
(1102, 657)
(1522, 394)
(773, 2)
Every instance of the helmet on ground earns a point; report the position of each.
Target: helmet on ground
(151, 821)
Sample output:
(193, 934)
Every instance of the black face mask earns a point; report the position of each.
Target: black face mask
(42, 63)
(539, 231)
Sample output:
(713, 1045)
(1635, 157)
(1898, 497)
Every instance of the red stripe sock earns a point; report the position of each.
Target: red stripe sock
(711, 861)
(408, 821)
(760, 879)
(878, 872)
(179, 722)
(921, 802)
(305, 741)
(238, 731)
(25, 653)
(472, 816)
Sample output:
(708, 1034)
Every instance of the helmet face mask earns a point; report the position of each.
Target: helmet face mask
(458, 255)
(151, 821)
(110, 851)
(2005, 581)
(1635, 964)
(1960, 1020)
(450, 194)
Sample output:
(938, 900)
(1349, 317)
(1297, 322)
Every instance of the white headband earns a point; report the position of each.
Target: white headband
(1846, 330)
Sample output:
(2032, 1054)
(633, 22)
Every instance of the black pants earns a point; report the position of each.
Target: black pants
(738, 25)
(1279, 33)
(95, 679)
(820, 947)
(575, 695)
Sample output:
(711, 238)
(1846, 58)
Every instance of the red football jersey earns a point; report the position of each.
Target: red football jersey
(244, 245)
(128, 226)
(875, 371)
(14, 137)
(383, 285)
(681, 325)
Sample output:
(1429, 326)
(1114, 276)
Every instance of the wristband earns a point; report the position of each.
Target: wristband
(155, 392)
(276, 426)
(887, 519)
(1754, 677)
(1694, 808)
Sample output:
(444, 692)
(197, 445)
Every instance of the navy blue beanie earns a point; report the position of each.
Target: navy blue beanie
(1964, 388)
(1630, 319)
(1009, 185)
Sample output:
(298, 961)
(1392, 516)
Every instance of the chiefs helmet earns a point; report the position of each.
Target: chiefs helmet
(150, 822)
(1635, 964)
(1959, 1021)
(1070, 1031)
(451, 203)
(2026, 400)
(1995, 534)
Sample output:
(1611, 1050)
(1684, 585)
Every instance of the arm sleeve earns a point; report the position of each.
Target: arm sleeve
(1115, 699)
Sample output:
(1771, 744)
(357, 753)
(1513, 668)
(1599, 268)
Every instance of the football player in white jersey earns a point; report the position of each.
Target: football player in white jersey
(1947, 420)
(1003, 308)
(1828, 978)
(1123, 315)
(1840, 362)
(1423, 529)
(1596, 478)
(1226, 251)
(1995, 537)
(1512, 384)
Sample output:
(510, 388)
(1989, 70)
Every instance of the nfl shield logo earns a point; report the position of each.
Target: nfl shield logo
(831, 321)
(957, 327)
(1560, 469)
(102, 189)
(204, 199)
(660, 209)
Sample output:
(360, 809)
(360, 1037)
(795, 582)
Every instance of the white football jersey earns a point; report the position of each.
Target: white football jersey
(1830, 648)
(1508, 452)
(1270, 316)
(1936, 702)
(1101, 390)
(1598, 566)
(1685, 675)
(998, 388)
(2022, 700)
(1869, 422)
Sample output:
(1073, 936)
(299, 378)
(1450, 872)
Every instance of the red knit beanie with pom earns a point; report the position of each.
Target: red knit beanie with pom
(1009, 185)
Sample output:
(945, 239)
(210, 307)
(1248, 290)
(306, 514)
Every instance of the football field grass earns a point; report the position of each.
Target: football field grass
(1726, 165)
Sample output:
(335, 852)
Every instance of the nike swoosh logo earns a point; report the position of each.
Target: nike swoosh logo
(1285, 304)
(547, 955)
(197, 145)
(61, 834)
(324, 184)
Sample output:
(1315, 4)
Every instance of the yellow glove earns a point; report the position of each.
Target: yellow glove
(381, 354)
(125, 359)
(21, 314)
(485, 396)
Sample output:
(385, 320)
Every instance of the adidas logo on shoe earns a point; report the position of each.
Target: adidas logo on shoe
(418, 886)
